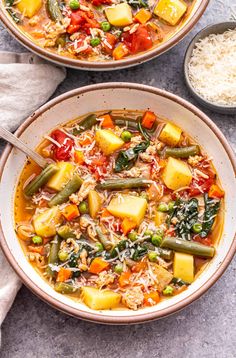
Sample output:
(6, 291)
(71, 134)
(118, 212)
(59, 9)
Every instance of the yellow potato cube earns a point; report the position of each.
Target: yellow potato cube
(128, 206)
(170, 10)
(45, 223)
(100, 299)
(170, 134)
(108, 141)
(94, 203)
(62, 176)
(29, 7)
(119, 15)
(176, 174)
(184, 267)
(160, 218)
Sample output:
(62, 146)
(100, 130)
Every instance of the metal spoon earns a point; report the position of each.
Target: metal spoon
(16, 142)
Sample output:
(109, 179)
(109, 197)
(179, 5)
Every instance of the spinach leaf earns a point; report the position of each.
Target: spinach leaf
(212, 207)
(127, 158)
(186, 213)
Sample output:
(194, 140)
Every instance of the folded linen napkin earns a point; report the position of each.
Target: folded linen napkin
(26, 82)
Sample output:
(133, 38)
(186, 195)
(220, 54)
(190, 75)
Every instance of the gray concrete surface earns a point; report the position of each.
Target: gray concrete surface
(206, 329)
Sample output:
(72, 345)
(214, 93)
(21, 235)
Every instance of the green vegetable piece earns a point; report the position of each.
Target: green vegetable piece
(99, 247)
(95, 41)
(37, 240)
(126, 136)
(71, 187)
(65, 288)
(179, 282)
(127, 183)
(186, 213)
(139, 252)
(144, 195)
(61, 41)
(53, 255)
(152, 256)
(106, 26)
(129, 123)
(133, 236)
(188, 247)
(137, 3)
(40, 180)
(103, 239)
(86, 123)
(65, 232)
(184, 152)
(143, 131)
(156, 240)
(74, 4)
(148, 234)
(122, 245)
(171, 206)
(168, 291)
(83, 208)
(163, 207)
(118, 268)
(212, 207)
(164, 253)
(63, 255)
(127, 158)
(54, 10)
(197, 228)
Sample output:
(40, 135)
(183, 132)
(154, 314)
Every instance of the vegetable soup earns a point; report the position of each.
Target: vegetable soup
(98, 30)
(128, 211)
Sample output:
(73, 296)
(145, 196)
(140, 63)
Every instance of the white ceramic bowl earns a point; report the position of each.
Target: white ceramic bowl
(116, 96)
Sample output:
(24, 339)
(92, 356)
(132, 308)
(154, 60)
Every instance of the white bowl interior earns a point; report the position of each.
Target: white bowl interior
(118, 98)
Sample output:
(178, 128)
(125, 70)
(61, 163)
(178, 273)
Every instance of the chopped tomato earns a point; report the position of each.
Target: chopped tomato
(101, 2)
(66, 143)
(201, 185)
(109, 44)
(203, 240)
(80, 19)
(37, 249)
(138, 41)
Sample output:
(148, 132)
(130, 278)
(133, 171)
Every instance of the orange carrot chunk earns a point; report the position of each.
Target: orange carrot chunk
(143, 16)
(127, 225)
(107, 121)
(151, 298)
(124, 279)
(70, 212)
(98, 265)
(63, 275)
(148, 119)
(216, 192)
(79, 157)
(120, 51)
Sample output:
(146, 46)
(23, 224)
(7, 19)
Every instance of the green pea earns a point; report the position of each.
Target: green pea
(83, 208)
(106, 26)
(74, 4)
(118, 268)
(133, 236)
(152, 256)
(163, 207)
(171, 205)
(95, 42)
(197, 227)
(156, 240)
(126, 136)
(148, 234)
(63, 255)
(37, 240)
(168, 291)
(99, 247)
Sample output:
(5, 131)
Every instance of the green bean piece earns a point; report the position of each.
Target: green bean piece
(188, 247)
(184, 152)
(129, 123)
(114, 184)
(164, 253)
(53, 254)
(71, 187)
(177, 281)
(54, 10)
(126, 158)
(102, 238)
(40, 180)
(85, 124)
(65, 288)
(143, 131)
(122, 245)
(65, 232)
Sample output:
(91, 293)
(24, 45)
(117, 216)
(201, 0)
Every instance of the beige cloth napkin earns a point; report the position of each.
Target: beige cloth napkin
(26, 82)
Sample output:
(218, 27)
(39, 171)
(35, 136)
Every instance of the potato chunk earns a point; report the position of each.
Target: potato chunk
(170, 10)
(62, 176)
(100, 299)
(176, 174)
(170, 134)
(94, 202)
(128, 206)
(29, 7)
(119, 15)
(108, 141)
(45, 223)
(160, 218)
(184, 267)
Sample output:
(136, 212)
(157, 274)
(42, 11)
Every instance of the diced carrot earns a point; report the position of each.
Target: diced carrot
(120, 51)
(162, 163)
(36, 249)
(85, 139)
(148, 119)
(38, 34)
(63, 275)
(124, 279)
(143, 16)
(216, 192)
(98, 265)
(139, 266)
(155, 192)
(127, 225)
(151, 298)
(70, 212)
(107, 121)
(105, 213)
(79, 157)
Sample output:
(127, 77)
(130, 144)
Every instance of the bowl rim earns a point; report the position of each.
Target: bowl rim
(103, 65)
(188, 53)
(94, 317)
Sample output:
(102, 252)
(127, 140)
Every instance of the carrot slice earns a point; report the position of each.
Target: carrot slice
(63, 275)
(148, 119)
(70, 212)
(120, 51)
(143, 16)
(151, 298)
(107, 121)
(216, 192)
(79, 157)
(98, 265)
(124, 279)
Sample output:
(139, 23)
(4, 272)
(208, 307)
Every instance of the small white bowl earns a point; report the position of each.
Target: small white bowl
(218, 28)
(105, 97)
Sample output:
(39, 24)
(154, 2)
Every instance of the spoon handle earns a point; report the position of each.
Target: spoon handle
(16, 142)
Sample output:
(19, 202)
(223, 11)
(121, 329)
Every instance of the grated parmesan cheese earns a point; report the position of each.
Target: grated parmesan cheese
(212, 68)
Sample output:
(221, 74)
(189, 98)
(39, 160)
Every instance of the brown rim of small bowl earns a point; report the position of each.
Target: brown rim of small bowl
(103, 65)
(142, 317)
